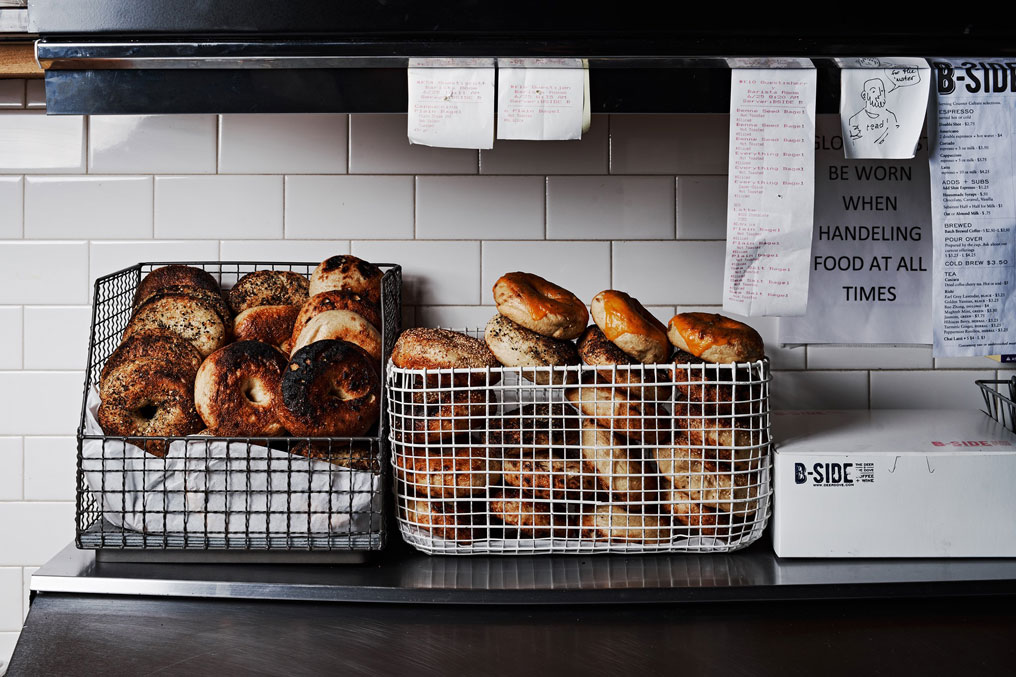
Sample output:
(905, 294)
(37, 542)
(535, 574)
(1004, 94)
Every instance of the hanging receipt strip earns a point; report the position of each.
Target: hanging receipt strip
(540, 99)
(451, 103)
(973, 192)
(770, 186)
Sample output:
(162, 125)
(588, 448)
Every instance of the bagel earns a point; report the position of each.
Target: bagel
(148, 398)
(515, 346)
(423, 348)
(716, 389)
(540, 306)
(212, 298)
(715, 338)
(726, 438)
(538, 425)
(628, 325)
(619, 412)
(618, 470)
(544, 474)
(190, 318)
(463, 471)
(174, 275)
(236, 391)
(344, 325)
(158, 344)
(268, 288)
(531, 517)
(354, 455)
(450, 520)
(444, 415)
(701, 520)
(335, 300)
(595, 350)
(349, 273)
(615, 524)
(716, 484)
(269, 324)
(330, 389)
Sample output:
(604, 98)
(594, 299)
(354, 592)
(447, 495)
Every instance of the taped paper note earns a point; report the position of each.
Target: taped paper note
(870, 265)
(882, 106)
(540, 99)
(770, 190)
(451, 103)
(973, 207)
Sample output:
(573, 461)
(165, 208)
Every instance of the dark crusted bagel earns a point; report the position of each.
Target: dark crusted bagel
(595, 350)
(236, 391)
(173, 276)
(212, 298)
(349, 273)
(268, 288)
(146, 397)
(423, 348)
(158, 344)
(330, 389)
(269, 324)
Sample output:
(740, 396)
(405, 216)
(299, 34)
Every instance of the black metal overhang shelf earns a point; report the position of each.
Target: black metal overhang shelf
(265, 56)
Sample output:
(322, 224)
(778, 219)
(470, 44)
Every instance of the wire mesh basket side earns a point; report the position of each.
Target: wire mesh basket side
(1000, 400)
(225, 493)
(641, 458)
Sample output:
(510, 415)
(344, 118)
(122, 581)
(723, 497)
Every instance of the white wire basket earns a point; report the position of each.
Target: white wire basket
(581, 459)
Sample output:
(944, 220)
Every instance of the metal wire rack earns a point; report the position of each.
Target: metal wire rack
(997, 405)
(581, 459)
(225, 493)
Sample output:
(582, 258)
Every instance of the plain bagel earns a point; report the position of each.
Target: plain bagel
(344, 325)
(335, 300)
(268, 324)
(540, 306)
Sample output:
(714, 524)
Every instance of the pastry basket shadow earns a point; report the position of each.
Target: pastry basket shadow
(581, 459)
(216, 495)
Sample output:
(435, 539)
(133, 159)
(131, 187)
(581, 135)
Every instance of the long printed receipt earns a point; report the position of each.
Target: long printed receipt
(973, 193)
(451, 103)
(882, 106)
(540, 99)
(770, 188)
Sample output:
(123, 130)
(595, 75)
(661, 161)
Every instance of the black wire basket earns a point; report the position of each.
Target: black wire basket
(226, 493)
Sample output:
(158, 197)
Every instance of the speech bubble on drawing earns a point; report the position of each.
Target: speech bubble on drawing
(902, 76)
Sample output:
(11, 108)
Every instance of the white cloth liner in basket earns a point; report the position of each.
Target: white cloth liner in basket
(231, 489)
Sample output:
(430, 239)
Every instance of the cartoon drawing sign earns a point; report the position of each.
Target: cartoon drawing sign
(882, 106)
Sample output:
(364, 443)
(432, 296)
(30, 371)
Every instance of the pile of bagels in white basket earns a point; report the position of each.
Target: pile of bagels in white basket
(275, 354)
(627, 455)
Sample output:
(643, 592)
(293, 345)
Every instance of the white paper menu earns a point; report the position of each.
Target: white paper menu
(973, 198)
(882, 106)
(540, 99)
(451, 103)
(770, 189)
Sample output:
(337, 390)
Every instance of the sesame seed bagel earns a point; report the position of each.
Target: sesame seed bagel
(540, 306)
(344, 325)
(346, 272)
(423, 348)
(268, 288)
(168, 276)
(463, 471)
(715, 338)
(614, 523)
(236, 391)
(628, 325)
(335, 300)
(269, 324)
(147, 397)
(515, 346)
(157, 344)
(192, 319)
(594, 349)
(330, 388)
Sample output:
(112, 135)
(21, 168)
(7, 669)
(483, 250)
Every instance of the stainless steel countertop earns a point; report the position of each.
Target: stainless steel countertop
(402, 575)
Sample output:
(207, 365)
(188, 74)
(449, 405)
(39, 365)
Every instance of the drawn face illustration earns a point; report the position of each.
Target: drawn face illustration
(874, 94)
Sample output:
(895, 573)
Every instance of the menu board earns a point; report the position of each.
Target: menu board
(871, 252)
(973, 191)
(770, 190)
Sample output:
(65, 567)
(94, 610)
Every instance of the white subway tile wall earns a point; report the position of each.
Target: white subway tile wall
(639, 204)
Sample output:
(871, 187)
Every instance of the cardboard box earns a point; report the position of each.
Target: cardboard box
(893, 483)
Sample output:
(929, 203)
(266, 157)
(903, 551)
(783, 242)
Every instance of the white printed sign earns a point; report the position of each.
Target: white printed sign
(770, 191)
(871, 249)
(451, 103)
(973, 200)
(882, 106)
(540, 99)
